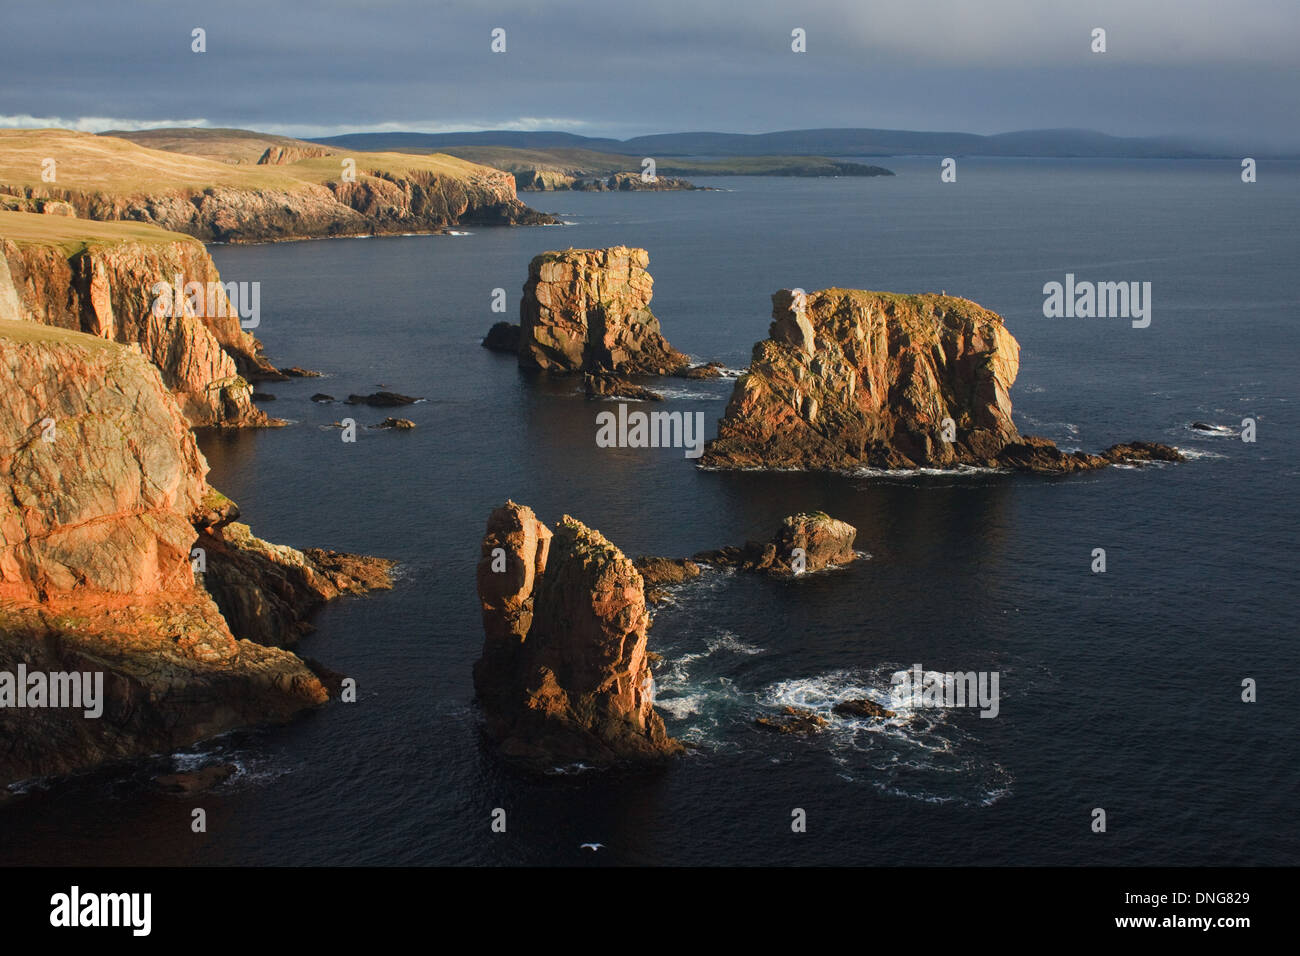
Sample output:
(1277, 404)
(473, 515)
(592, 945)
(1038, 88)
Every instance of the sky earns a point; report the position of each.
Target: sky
(1221, 72)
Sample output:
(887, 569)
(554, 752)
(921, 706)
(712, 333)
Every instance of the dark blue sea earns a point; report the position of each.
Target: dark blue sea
(1119, 690)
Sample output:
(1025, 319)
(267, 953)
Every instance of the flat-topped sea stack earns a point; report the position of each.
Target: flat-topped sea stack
(850, 378)
(588, 310)
(117, 281)
(564, 674)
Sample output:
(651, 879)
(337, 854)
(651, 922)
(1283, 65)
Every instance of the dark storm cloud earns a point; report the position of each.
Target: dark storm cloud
(1205, 69)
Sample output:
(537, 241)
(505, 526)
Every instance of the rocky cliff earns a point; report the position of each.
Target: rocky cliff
(588, 310)
(851, 378)
(564, 674)
(102, 482)
(100, 278)
(292, 195)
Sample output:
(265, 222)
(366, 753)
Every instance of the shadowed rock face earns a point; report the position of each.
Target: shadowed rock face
(95, 573)
(588, 310)
(106, 290)
(564, 674)
(267, 592)
(850, 378)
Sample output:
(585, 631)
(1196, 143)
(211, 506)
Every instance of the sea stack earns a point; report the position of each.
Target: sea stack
(849, 378)
(588, 310)
(564, 674)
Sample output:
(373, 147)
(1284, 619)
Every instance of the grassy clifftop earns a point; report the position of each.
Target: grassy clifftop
(71, 236)
(228, 199)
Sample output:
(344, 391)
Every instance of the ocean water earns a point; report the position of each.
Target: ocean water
(1119, 691)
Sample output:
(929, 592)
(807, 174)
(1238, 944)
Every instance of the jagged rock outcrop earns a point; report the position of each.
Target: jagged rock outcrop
(267, 592)
(615, 386)
(588, 310)
(104, 280)
(822, 542)
(502, 337)
(564, 674)
(282, 155)
(102, 480)
(851, 378)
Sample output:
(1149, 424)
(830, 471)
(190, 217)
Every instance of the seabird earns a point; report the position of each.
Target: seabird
(593, 847)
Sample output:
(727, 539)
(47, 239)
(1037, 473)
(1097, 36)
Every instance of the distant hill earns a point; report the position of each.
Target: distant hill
(807, 142)
(237, 146)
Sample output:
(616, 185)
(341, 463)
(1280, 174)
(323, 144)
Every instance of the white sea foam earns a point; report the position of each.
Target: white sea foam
(919, 754)
(961, 471)
(1195, 454)
(1216, 431)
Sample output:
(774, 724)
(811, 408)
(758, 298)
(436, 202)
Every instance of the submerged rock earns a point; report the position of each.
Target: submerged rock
(382, 399)
(792, 720)
(862, 707)
(196, 781)
(612, 386)
(564, 675)
(400, 424)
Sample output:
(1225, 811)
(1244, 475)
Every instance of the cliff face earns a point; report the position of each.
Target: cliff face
(102, 482)
(587, 310)
(851, 378)
(103, 286)
(564, 674)
(373, 205)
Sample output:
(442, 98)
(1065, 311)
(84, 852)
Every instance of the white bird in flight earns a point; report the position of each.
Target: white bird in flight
(593, 847)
